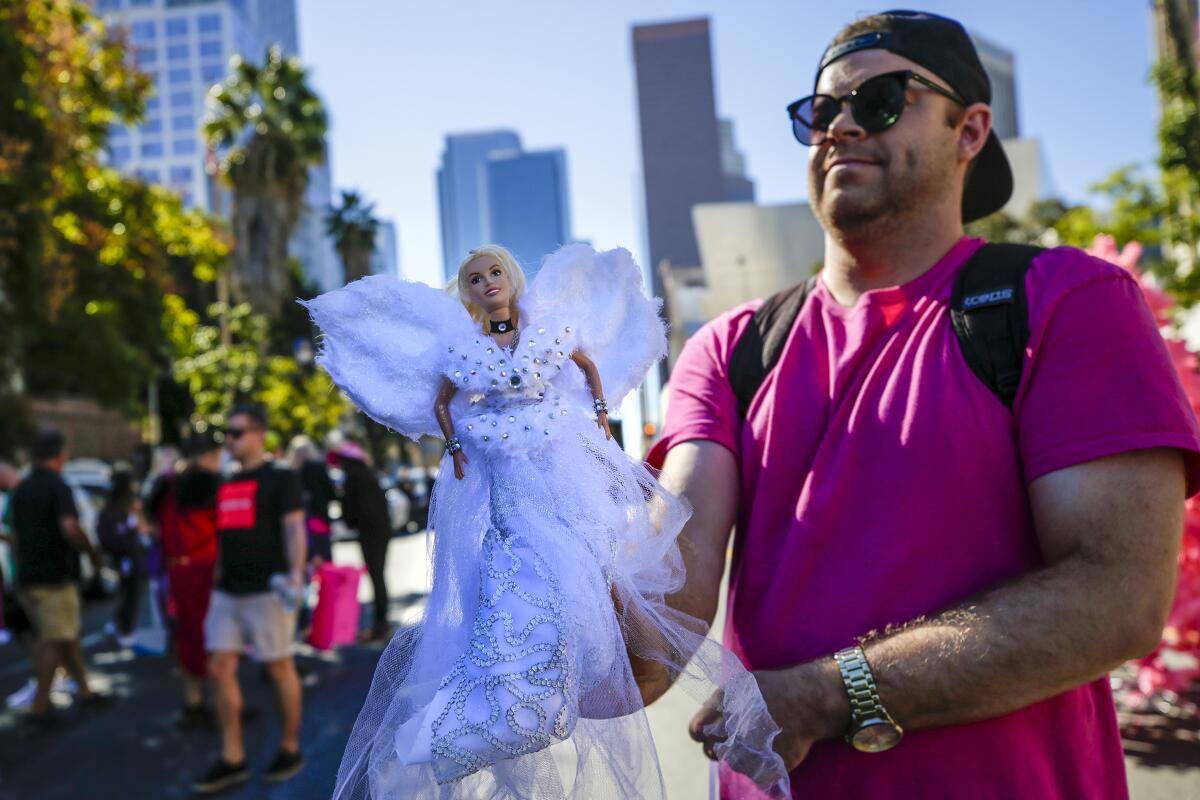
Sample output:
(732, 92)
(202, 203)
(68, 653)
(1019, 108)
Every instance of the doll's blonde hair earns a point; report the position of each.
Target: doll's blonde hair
(516, 276)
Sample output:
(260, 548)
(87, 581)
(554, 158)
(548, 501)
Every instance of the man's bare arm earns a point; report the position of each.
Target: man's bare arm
(1109, 532)
(297, 543)
(73, 533)
(706, 475)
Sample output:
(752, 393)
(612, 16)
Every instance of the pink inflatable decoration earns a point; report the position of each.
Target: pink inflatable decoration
(1172, 667)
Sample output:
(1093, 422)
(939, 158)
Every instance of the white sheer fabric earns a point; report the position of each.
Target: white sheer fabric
(550, 559)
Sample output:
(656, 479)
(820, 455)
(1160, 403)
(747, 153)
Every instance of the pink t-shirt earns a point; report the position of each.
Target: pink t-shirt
(881, 480)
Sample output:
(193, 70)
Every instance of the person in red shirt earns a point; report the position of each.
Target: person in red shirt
(931, 586)
(183, 510)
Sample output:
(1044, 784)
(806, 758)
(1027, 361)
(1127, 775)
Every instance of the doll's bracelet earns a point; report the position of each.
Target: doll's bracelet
(453, 445)
(600, 405)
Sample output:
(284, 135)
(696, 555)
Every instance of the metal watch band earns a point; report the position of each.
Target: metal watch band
(860, 685)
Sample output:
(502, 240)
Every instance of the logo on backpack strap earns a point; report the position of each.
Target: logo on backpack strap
(990, 298)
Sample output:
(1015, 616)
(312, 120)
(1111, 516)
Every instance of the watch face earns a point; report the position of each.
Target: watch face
(876, 736)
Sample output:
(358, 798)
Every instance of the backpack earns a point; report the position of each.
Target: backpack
(988, 309)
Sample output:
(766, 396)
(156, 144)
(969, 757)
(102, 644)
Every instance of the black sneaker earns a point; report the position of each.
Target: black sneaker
(222, 776)
(197, 717)
(283, 766)
(42, 721)
(95, 701)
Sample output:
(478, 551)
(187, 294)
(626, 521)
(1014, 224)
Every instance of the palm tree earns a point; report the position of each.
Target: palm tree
(269, 127)
(352, 226)
(1179, 136)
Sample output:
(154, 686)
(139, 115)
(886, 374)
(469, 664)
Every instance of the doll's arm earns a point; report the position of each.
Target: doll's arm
(441, 409)
(593, 378)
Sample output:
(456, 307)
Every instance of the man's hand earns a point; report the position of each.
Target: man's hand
(652, 677)
(1109, 532)
(706, 475)
(808, 702)
(73, 532)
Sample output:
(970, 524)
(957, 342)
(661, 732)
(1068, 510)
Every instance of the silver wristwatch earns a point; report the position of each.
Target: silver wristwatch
(872, 729)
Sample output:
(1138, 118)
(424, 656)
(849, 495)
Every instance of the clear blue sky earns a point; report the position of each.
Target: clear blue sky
(397, 75)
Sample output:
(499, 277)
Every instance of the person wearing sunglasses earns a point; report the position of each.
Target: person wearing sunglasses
(930, 584)
(261, 542)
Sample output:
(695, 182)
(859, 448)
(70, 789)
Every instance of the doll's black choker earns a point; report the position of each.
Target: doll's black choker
(502, 326)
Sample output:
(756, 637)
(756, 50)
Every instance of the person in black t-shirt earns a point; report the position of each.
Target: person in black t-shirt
(318, 491)
(259, 578)
(365, 509)
(48, 541)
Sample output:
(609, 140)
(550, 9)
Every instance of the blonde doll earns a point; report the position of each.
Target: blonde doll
(553, 549)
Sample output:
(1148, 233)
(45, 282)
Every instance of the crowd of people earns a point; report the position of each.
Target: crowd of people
(221, 544)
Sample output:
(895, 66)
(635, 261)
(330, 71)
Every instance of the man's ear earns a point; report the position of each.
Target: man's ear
(974, 128)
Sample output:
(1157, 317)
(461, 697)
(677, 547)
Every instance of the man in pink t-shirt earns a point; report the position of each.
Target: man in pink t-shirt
(977, 569)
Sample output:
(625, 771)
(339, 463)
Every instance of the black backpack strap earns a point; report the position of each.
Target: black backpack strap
(991, 315)
(758, 348)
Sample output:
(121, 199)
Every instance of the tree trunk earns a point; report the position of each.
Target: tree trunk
(265, 212)
(356, 262)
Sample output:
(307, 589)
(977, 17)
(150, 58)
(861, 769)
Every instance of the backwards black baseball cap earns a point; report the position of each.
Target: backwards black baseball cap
(942, 46)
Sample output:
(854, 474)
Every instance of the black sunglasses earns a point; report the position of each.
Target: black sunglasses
(236, 433)
(876, 105)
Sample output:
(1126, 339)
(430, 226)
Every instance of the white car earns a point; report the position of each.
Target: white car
(399, 506)
(89, 480)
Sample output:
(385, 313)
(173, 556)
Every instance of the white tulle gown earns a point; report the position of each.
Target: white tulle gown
(550, 558)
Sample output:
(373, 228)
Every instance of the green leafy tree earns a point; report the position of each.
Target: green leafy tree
(62, 83)
(353, 226)
(1134, 210)
(1178, 82)
(299, 397)
(85, 254)
(270, 126)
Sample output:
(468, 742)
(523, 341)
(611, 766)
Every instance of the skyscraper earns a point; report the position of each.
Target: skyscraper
(185, 47)
(738, 186)
(1001, 71)
(462, 190)
(681, 141)
(528, 209)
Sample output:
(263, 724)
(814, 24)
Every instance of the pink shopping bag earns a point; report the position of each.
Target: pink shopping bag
(335, 619)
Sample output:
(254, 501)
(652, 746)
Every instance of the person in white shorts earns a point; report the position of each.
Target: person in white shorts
(259, 575)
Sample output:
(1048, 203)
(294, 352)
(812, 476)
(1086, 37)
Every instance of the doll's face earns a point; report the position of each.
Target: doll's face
(488, 283)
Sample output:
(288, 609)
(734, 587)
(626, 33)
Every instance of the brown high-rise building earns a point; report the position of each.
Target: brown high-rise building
(682, 161)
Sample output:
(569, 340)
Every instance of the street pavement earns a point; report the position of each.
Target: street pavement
(131, 748)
